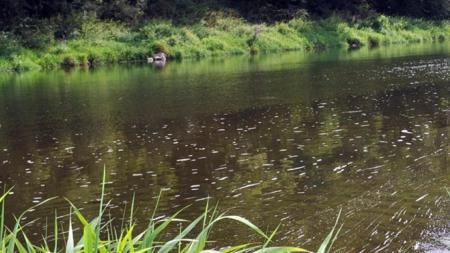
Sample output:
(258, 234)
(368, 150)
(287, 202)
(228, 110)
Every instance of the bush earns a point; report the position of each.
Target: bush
(373, 41)
(60, 48)
(161, 47)
(95, 59)
(158, 30)
(22, 64)
(68, 62)
(8, 44)
(254, 50)
(354, 43)
(83, 60)
(214, 44)
(35, 34)
(48, 61)
(380, 23)
(93, 29)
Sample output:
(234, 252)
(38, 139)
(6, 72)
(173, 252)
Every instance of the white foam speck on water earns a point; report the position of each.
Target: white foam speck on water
(247, 186)
(422, 197)
(406, 131)
(296, 168)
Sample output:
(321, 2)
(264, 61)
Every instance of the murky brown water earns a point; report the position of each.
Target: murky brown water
(290, 139)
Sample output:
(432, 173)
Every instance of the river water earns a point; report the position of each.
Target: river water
(290, 138)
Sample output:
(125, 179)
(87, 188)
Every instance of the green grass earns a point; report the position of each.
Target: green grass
(100, 235)
(99, 42)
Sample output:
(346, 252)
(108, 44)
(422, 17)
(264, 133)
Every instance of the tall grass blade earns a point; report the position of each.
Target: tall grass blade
(168, 246)
(153, 232)
(70, 241)
(17, 227)
(100, 211)
(271, 236)
(281, 250)
(56, 233)
(246, 223)
(324, 247)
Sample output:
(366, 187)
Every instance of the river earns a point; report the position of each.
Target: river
(286, 138)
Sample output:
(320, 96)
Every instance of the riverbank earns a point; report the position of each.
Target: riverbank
(99, 42)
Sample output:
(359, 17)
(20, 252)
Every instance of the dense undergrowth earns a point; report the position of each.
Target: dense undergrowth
(96, 42)
(100, 235)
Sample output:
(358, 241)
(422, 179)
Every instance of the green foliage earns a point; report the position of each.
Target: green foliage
(69, 14)
(99, 235)
(161, 47)
(8, 44)
(23, 63)
(48, 61)
(69, 62)
(94, 42)
(374, 41)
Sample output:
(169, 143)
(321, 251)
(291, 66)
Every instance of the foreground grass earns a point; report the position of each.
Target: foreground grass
(99, 42)
(99, 234)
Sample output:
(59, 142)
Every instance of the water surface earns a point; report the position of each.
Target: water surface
(290, 138)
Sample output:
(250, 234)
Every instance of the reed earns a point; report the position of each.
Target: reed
(100, 235)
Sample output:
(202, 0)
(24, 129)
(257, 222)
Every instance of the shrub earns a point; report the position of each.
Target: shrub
(68, 62)
(35, 34)
(354, 42)
(82, 60)
(93, 29)
(8, 44)
(214, 44)
(283, 28)
(48, 61)
(373, 41)
(158, 30)
(60, 48)
(162, 47)
(380, 23)
(254, 50)
(95, 59)
(22, 64)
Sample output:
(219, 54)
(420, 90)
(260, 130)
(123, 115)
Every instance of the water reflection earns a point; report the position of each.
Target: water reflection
(292, 139)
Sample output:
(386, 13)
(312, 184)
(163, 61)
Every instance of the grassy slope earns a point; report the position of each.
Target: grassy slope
(106, 42)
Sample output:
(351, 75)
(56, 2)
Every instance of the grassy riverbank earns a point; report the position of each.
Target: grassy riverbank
(97, 42)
